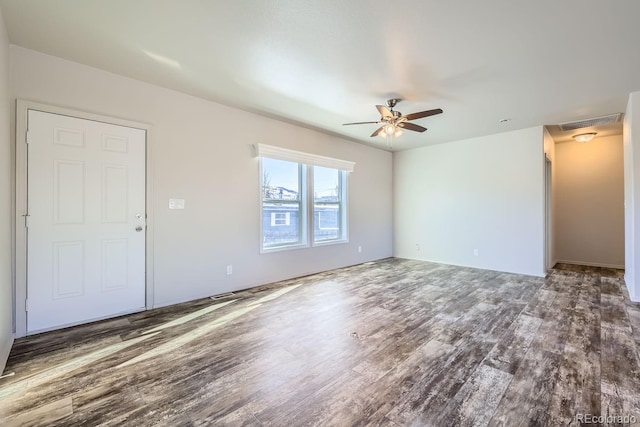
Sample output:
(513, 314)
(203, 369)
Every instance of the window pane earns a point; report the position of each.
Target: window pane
(326, 184)
(326, 204)
(280, 223)
(281, 203)
(280, 180)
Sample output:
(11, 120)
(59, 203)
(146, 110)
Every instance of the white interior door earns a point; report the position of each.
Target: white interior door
(86, 229)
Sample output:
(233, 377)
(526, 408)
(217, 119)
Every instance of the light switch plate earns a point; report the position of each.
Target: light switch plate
(176, 203)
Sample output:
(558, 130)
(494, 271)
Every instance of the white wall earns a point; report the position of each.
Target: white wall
(590, 205)
(631, 149)
(6, 287)
(484, 193)
(201, 153)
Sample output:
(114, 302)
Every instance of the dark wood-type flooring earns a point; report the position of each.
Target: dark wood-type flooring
(390, 343)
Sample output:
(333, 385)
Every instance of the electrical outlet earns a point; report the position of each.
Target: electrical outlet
(229, 270)
(359, 249)
(418, 247)
(475, 252)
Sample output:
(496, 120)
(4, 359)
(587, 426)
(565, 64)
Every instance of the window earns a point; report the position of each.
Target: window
(304, 199)
(328, 204)
(283, 204)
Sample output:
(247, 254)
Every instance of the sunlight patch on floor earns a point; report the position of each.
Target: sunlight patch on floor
(188, 317)
(189, 336)
(276, 294)
(65, 368)
(205, 329)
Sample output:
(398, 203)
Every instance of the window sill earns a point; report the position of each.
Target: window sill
(303, 246)
(283, 248)
(330, 242)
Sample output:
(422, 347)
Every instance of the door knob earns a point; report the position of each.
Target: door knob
(138, 229)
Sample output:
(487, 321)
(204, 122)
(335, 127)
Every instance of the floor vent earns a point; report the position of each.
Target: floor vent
(222, 296)
(595, 121)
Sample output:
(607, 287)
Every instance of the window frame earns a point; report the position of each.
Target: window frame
(303, 239)
(343, 206)
(306, 163)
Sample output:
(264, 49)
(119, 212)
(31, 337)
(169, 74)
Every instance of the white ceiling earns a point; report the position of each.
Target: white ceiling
(324, 63)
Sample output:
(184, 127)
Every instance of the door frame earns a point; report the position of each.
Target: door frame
(548, 213)
(20, 268)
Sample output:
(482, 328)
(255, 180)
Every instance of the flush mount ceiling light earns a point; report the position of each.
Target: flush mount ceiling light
(585, 137)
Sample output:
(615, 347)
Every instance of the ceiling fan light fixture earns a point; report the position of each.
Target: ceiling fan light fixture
(390, 129)
(398, 133)
(585, 137)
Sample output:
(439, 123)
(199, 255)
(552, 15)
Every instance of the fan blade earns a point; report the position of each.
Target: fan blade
(357, 123)
(422, 114)
(412, 126)
(380, 129)
(384, 111)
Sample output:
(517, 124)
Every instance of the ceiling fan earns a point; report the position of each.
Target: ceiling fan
(393, 122)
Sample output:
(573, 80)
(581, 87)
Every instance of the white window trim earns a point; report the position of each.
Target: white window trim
(307, 160)
(263, 150)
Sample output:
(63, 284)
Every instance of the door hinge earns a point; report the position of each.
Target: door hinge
(26, 220)
(26, 305)
(26, 139)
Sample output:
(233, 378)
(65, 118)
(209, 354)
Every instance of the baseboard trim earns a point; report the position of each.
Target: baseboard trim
(590, 264)
(543, 274)
(4, 353)
(553, 264)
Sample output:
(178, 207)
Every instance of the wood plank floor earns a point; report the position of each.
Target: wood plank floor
(393, 343)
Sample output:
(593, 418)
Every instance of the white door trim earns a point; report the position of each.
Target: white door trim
(548, 213)
(22, 108)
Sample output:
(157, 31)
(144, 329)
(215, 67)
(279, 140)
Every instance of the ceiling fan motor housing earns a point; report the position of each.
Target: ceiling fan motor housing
(392, 102)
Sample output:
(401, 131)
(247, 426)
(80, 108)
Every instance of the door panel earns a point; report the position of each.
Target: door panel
(68, 192)
(86, 197)
(114, 194)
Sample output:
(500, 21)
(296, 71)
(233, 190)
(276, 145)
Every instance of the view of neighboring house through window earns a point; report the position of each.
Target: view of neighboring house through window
(283, 204)
(327, 204)
(302, 202)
